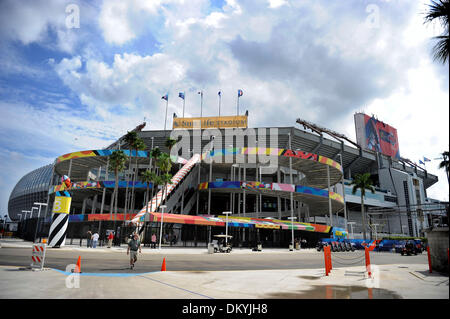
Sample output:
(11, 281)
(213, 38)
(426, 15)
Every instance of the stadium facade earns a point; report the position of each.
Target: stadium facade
(265, 177)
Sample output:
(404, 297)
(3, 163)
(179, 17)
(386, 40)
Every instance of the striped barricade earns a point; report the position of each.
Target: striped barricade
(38, 256)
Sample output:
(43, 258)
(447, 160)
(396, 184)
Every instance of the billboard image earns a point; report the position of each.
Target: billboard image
(376, 135)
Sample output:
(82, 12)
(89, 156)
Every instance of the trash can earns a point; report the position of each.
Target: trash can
(297, 246)
(291, 247)
(211, 248)
(259, 247)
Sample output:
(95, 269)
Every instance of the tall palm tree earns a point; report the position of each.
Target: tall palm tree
(445, 164)
(440, 10)
(138, 145)
(117, 162)
(155, 154)
(166, 179)
(362, 182)
(130, 138)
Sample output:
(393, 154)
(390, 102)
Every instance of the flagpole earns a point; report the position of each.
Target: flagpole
(165, 119)
(184, 103)
(220, 98)
(201, 104)
(237, 107)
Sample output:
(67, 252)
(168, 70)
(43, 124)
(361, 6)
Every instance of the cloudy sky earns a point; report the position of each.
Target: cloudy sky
(72, 81)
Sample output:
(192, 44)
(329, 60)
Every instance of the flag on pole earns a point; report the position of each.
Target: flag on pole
(420, 162)
(181, 94)
(426, 159)
(219, 93)
(240, 93)
(165, 97)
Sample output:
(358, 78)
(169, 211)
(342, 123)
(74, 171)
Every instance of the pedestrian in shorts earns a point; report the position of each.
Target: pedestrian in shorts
(133, 245)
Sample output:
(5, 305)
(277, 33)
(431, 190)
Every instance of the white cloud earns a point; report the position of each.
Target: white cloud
(316, 60)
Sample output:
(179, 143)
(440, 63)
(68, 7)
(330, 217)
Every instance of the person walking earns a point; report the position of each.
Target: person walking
(110, 239)
(133, 245)
(154, 240)
(95, 237)
(89, 238)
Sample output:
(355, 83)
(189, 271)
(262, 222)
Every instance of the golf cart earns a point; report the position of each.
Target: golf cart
(219, 244)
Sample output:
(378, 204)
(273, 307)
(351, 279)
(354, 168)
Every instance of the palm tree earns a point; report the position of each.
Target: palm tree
(445, 164)
(166, 179)
(170, 143)
(117, 162)
(138, 145)
(155, 154)
(362, 182)
(130, 138)
(440, 10)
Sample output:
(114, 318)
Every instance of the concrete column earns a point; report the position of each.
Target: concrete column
(94, 204)
(239, 194)
(329, 199)
(83, 209)
(244, 195)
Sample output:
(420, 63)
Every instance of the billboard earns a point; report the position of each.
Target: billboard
(210, 122)
(375, 135)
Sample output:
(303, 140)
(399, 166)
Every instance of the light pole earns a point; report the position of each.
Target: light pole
(343, 192)
(25, 213)
(351, 226)
(376, 237)
(403, 226)
(39, 215)
(292, 229)
(32, 208)
(226, 228)
(162, 220)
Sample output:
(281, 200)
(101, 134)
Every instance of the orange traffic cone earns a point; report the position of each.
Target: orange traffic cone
(163, 267)
(78, 267)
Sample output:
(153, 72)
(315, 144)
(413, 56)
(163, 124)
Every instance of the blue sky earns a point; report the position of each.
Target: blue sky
(67, 89)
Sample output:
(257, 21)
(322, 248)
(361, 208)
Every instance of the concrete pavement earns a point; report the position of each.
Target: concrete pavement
(389, 281)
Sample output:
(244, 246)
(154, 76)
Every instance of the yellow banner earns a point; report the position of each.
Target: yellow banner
(62, 204)
(210, 122)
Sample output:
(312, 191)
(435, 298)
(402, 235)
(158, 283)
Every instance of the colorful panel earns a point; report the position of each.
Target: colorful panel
(273, 152)
(283, 187)
(336, 197)
(203, 185)
(311, 190)
(98, 153)
(224, 184)
(256, 185)
(97, 217)
(75, 155)
(101, 184)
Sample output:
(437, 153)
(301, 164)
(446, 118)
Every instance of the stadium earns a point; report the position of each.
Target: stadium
(264, 184)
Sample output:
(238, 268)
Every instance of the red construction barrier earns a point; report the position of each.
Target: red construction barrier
(325, 255)
(368, 261)
(429, 258)
(329, 258)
